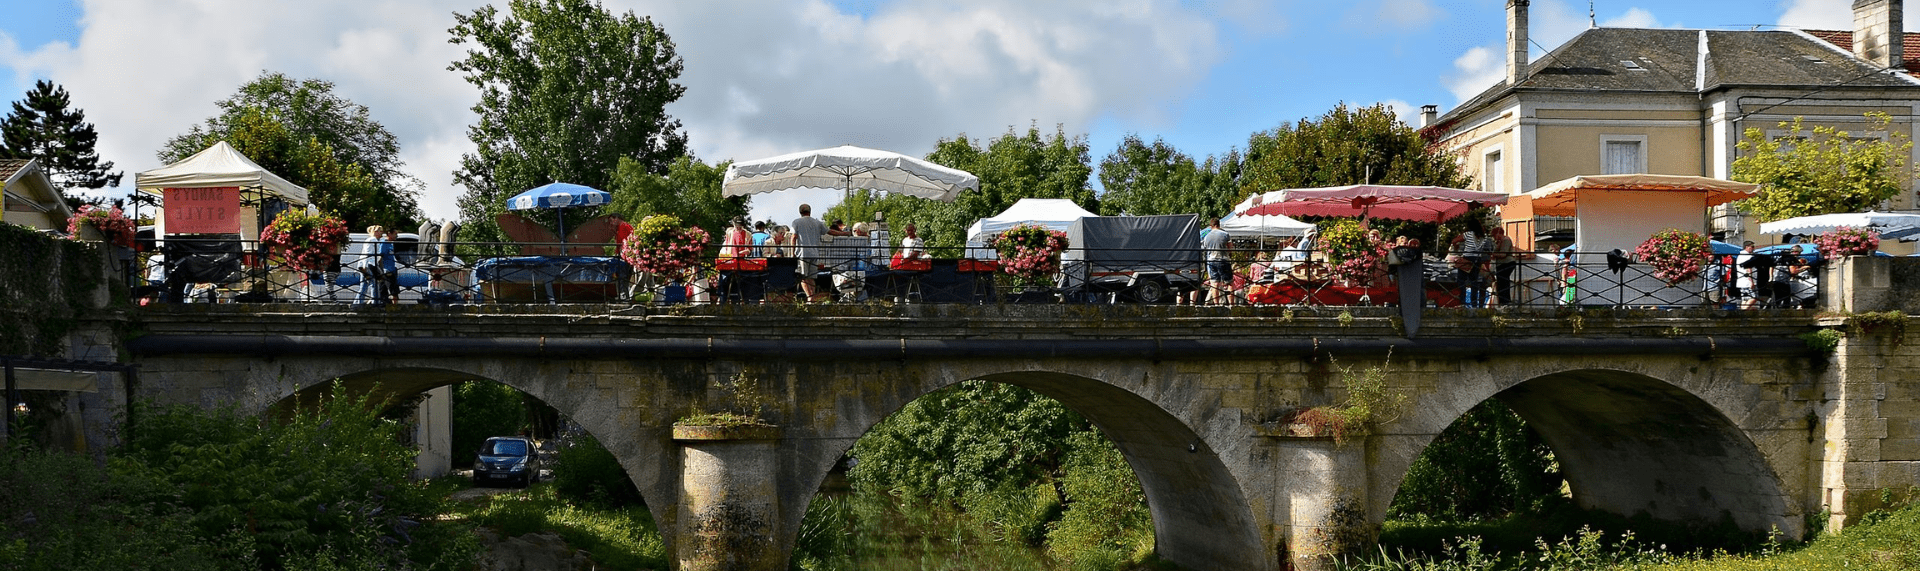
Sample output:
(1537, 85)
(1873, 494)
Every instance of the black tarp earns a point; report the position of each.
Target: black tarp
(1129, 245)
(205, 258)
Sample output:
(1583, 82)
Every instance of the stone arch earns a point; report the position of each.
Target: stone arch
(643, 454)
(1201, 514)
(1650, 437)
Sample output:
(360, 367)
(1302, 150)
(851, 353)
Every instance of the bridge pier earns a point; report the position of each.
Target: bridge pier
(1326, 493)
(729, 505)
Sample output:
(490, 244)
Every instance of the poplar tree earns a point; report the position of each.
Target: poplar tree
(45, 126)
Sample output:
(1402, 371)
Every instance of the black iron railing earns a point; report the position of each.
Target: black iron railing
(188, 271)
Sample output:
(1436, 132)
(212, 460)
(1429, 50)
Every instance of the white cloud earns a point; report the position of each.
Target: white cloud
(1818, 14)
(762, 77)
(1475, 71)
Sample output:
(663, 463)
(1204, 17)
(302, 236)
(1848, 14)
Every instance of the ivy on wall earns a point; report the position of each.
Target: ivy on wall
(46, 284)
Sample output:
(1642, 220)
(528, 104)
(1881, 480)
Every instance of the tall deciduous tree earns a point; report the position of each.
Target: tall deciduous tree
(1145, 180)
(1011, 167)
(301, 130)
(1347, 146)
(343, 189)
(566, 91)
(690, 190)
(1828, 171)
(45, 126)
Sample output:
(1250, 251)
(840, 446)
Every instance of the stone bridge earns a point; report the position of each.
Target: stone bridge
(1692, 416)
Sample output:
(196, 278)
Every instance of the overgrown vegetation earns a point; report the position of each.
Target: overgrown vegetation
(585, 472)
(988, 473)
(46, 287)
(614, 537)
(1887, 539)
(1369, 402)
(323, 488)
(1487, 465)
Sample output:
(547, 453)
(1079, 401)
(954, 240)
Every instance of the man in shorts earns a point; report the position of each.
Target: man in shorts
(1219, 270)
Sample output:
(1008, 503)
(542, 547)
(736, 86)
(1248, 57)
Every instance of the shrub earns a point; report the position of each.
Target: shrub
(585, 471)
(330, 478)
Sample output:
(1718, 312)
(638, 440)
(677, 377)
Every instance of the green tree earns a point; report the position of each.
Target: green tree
(1829, 171)
(690, 189)
(1365, 145)
(1011, 167)
(566, 91)
(302, 131)
(1144, 180)
(484, 409)
(1488, 464)
(44, 126)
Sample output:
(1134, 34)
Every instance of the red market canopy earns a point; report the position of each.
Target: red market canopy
(1417, 203)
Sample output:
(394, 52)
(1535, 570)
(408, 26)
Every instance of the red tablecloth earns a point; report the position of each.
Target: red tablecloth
(740, 264)
(1290, 292)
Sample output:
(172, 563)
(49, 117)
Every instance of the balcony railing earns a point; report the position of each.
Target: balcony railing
(491, 273)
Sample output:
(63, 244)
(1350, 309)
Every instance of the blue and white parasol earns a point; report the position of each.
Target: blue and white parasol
(556, 196)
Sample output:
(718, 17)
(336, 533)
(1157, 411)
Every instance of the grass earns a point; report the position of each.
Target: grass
(615, 538)
(1886, 540)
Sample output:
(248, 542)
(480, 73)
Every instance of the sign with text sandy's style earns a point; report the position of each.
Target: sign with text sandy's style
(206, 210)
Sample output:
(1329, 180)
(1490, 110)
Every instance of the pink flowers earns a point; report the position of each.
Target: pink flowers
(664, 246)
(1847, 241)
(1031, 254)
(1675, 255)
(111, 222)
(306, 242)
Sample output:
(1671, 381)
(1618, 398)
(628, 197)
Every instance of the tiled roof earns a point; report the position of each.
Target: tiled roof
(10, 166)
(1910, 54)
(1667, 60)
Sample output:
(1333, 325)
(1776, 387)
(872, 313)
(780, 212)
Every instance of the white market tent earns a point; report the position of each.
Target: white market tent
(1263, 226)
(1053, 213)
(219, 165)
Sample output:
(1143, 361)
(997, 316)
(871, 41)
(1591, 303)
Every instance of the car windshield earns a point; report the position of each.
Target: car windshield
(505, 448)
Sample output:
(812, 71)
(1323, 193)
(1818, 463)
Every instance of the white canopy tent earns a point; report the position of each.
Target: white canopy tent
(1053, 213)
(219, 165)
(1263, 226)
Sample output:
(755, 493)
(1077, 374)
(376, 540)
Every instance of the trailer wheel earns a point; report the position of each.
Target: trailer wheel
(1151, 290)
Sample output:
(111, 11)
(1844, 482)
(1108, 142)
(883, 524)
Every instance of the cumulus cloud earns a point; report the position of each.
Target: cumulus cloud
(762, 78)
(1819, 14)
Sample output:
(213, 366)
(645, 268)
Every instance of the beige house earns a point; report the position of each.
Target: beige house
(30, 199)
(1672, 101)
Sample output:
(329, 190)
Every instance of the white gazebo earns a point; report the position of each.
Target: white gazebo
(216, 171)
(1052, 213)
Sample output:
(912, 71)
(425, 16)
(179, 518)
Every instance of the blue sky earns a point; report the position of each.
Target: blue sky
(769, 77)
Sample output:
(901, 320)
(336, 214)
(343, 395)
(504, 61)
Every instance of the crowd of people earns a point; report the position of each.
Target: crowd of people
(845, 253)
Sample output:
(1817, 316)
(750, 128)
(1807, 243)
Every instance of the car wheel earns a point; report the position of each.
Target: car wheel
(1150, 290)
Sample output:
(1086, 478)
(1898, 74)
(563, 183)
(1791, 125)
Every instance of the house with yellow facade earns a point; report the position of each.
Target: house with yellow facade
(29, 198)
(1673, 101)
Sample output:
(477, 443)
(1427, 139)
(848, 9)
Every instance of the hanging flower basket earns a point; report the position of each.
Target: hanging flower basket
(1354, 256)
(112, 224)
(304, 242)
(664, 246)
(1675, 255)
(1847, 241)
(1031, 254)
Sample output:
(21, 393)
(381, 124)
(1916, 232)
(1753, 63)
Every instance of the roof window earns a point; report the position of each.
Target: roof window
(1812, 59)
(1632, 65)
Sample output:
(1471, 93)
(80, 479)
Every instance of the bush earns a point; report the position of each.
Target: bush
(61, 511)
(585, 471)
(325, 487)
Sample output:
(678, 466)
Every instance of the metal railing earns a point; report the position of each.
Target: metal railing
(187, 271)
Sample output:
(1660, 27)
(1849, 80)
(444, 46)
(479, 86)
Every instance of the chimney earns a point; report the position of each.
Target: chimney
(1429, 114)
(1878, 36)
(1517, 41)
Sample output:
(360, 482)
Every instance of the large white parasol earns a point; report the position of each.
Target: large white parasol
(848, 167)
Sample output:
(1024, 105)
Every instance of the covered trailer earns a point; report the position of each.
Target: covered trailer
(1135, 258)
